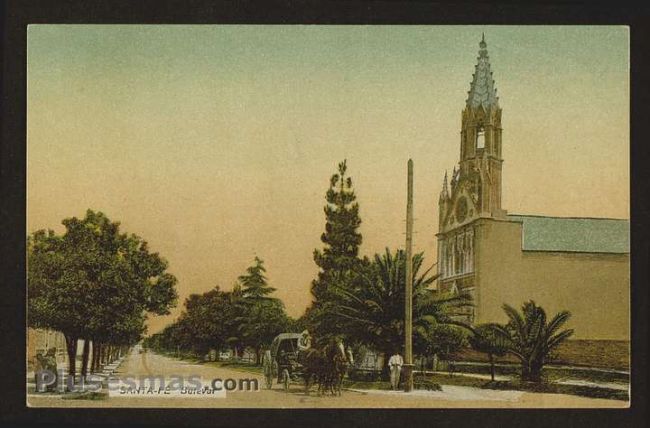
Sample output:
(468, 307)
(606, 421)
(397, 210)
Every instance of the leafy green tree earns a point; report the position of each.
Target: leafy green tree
(339, 263)
(487, 339)
(260, 322)
(95, 283)
(531, 337)
(374, 313)
(211, 319)
(219, 319)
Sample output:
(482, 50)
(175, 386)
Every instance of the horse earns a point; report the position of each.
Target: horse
(343, 361)
(327, 366)
(314, 365)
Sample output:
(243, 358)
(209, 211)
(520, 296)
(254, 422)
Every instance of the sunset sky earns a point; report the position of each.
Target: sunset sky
(216, 143)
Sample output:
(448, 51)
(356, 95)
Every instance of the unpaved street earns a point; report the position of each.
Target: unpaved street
(150, 364)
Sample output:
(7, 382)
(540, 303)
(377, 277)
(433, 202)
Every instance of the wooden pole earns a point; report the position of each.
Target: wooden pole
(408, 304)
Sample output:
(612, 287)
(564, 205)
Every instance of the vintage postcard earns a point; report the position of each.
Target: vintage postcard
(323, 216)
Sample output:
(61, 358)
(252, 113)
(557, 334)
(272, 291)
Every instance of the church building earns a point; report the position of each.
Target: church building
(578, 264)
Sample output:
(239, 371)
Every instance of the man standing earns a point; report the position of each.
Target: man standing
(267, 364)
(395, 365)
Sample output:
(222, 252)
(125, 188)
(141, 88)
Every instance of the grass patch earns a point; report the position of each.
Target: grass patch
(183, 356)
(549, 373)
(606, 354)
(516, 385)
(245, 367)
(235, 365)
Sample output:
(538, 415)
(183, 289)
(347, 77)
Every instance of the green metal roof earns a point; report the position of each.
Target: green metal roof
(580, 235)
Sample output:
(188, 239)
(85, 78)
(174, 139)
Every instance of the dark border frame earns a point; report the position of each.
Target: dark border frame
(17, 14)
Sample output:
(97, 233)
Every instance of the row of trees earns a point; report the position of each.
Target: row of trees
(97, 284)
(246, 317)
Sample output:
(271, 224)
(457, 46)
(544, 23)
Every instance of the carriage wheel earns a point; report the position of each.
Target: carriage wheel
(286, 379)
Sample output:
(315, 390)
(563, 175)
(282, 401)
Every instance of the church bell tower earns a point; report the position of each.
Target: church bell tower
(480, 145)
(474, 189)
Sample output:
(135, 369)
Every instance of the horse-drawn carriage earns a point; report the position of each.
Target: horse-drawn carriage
(293, 359)
(285, 350)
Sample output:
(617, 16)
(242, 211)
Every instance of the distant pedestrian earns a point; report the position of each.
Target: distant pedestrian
(395, 365)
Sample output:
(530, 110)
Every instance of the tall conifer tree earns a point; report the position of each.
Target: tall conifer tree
(338, 261)
(254, 283)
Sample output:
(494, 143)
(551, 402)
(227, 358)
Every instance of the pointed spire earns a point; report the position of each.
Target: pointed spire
(444, 195)
(482, 91)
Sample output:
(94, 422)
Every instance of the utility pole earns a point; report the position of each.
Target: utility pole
(408, 304)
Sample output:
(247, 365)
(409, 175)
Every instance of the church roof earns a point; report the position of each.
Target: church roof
(482, 91)
(569, 234)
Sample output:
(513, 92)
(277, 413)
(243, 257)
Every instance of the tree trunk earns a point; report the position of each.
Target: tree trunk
(536, 371)
(491, 366)
(93, 351)
(525, 371)
(96, 352)
(84, 358)
(92, 356)
(71, 348)
(257, 356)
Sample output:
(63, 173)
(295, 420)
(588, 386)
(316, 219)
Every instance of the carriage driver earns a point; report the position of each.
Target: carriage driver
(304, 342)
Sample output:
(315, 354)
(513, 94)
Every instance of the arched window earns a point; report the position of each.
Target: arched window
(480, 138)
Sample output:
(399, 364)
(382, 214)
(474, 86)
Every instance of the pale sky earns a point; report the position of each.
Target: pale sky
(216, 143)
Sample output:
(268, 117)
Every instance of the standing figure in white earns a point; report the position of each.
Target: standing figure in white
(395, 365)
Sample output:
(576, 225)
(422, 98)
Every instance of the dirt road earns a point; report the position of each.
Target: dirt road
(150, 364)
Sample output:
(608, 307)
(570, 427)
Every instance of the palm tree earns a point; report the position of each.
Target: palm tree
(531, 338)
(373, 313)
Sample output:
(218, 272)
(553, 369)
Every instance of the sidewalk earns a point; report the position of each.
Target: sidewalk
(452, 393)
(105, 373)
